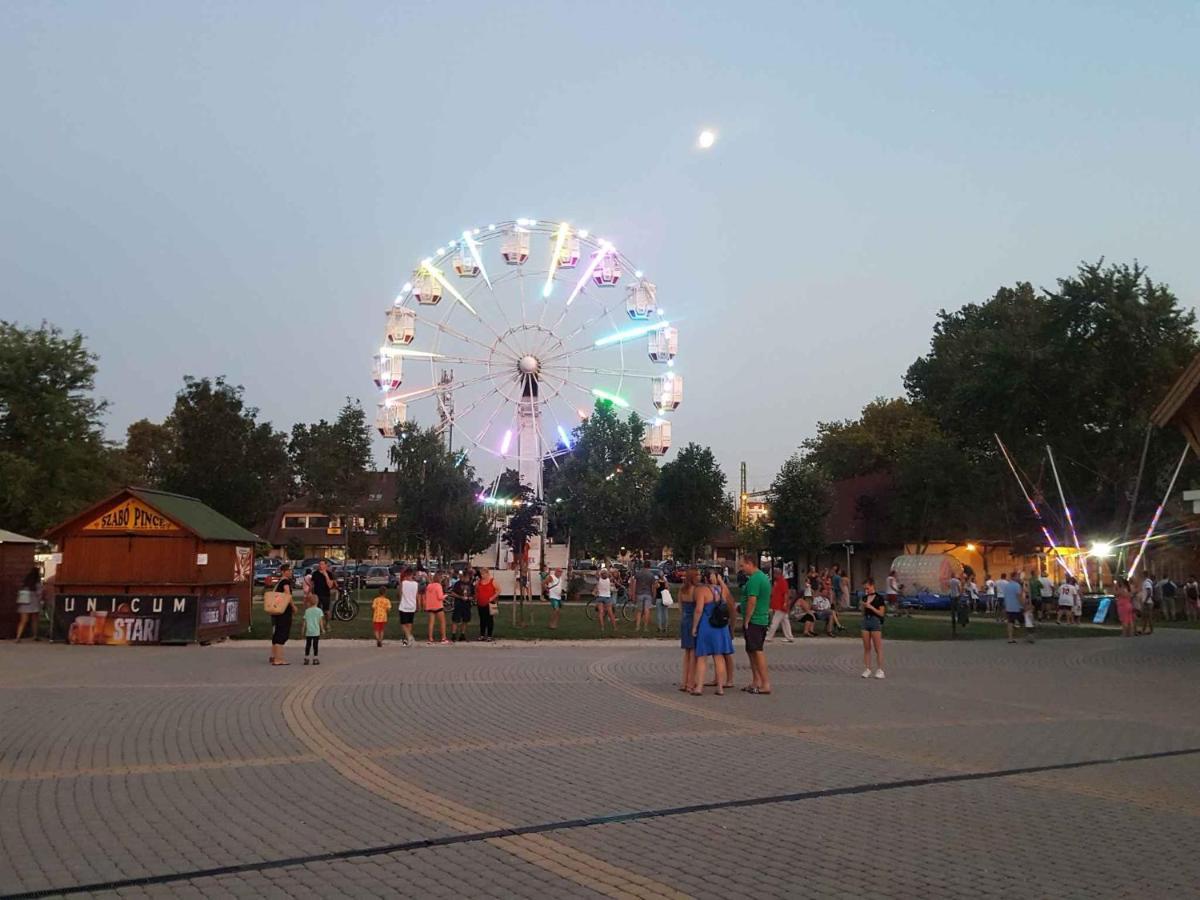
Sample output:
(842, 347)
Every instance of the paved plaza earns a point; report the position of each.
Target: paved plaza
(1068, 768)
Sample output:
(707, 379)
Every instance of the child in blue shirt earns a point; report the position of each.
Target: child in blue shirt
(314, 626)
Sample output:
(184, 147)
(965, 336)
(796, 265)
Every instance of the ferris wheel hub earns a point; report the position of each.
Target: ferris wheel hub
(529, 365)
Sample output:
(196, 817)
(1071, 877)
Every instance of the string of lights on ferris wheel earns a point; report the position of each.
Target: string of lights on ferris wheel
(525, 364)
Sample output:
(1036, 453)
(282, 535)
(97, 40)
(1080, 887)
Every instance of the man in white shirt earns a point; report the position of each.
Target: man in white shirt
(989, 588)
(1046, 590)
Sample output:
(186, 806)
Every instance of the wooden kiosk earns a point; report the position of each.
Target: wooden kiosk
(148, 567)
(16, 559)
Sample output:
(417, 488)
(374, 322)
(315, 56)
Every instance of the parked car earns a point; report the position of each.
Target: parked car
(376, 576)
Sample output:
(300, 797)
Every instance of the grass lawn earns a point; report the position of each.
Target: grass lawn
(575, 625)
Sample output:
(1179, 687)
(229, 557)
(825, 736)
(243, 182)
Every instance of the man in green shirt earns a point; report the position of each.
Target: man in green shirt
(756, 608)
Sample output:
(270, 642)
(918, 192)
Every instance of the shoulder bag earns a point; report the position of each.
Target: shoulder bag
(274, 602)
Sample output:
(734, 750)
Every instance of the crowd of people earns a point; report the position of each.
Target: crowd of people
(471, 594)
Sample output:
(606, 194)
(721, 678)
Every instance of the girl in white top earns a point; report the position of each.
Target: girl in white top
(604, 606)
(408, 604)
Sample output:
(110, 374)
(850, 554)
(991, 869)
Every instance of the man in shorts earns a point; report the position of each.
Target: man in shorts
(756, 603)
(1013, 596)
(553, 589)
(460, 611)
(643, 593)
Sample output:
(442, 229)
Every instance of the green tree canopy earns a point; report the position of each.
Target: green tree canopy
(689, 500)
(149, 448)
(436, 504)
(799, 501)
(331, 459)
(223, 455)
(53, 457)
(1079, 367)
(606, 483)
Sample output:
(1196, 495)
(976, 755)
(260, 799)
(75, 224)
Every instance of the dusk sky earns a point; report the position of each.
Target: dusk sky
(240, 189)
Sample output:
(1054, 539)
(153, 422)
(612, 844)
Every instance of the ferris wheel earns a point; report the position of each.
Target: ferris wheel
(513, 330)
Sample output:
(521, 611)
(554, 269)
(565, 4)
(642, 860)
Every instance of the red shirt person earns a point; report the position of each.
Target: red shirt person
(780, 606)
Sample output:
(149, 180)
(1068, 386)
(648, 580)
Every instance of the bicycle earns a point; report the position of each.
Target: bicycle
(624, 608)
(345, 607)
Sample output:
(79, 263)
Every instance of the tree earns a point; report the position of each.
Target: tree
(149, 449)
(53, 457)
(437, 496)
(885, 433)
(799, 500)
(295, 548)
(689, 499)
(752, 536)
(223, 455)
(936, 487)
(1079, 367)
(522, 525)
(606, 483)
(331, 461)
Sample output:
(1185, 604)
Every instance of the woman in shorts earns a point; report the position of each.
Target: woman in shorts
(874, 609)
(435, 606)
(604, 600)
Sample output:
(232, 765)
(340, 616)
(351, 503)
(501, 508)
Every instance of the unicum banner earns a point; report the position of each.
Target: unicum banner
(119, 619)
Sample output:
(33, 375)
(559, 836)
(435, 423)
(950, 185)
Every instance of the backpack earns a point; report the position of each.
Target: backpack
(719, 617)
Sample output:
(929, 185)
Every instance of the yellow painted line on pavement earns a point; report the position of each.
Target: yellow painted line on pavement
(553, 856)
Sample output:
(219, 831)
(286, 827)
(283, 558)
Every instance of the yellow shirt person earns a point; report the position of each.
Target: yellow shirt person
(380, 607)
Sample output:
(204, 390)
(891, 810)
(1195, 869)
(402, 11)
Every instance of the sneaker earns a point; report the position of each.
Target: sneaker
(879, 674)
(444, 641)
(866, 673)
(789, 640)
(316, 662)
(306, 660)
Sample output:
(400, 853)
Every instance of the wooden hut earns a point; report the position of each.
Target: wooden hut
(148, 567)
(1181, 405)
(16, 559)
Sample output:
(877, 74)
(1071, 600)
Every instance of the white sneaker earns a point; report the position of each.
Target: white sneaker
(866, 673)
(879, 674)
(789, 640)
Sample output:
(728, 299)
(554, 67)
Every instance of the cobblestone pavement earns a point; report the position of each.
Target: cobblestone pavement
(1061, 769)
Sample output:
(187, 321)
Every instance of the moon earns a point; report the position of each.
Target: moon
(706, 139)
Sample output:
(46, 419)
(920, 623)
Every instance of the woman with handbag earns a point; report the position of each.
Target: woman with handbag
(29, 603)
(710, 628)
(281, 611)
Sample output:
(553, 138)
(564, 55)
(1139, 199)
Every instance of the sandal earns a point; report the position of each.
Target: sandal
(754, 690)
(696, 693)
(281, 663)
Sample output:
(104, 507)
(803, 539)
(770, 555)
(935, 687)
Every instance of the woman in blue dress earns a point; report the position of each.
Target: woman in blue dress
(710, 640)
(687, 637)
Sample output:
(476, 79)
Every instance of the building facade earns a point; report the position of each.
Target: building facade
(302, 524)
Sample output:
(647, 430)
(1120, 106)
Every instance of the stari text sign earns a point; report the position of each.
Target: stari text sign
(124, 618)
(132, 515)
